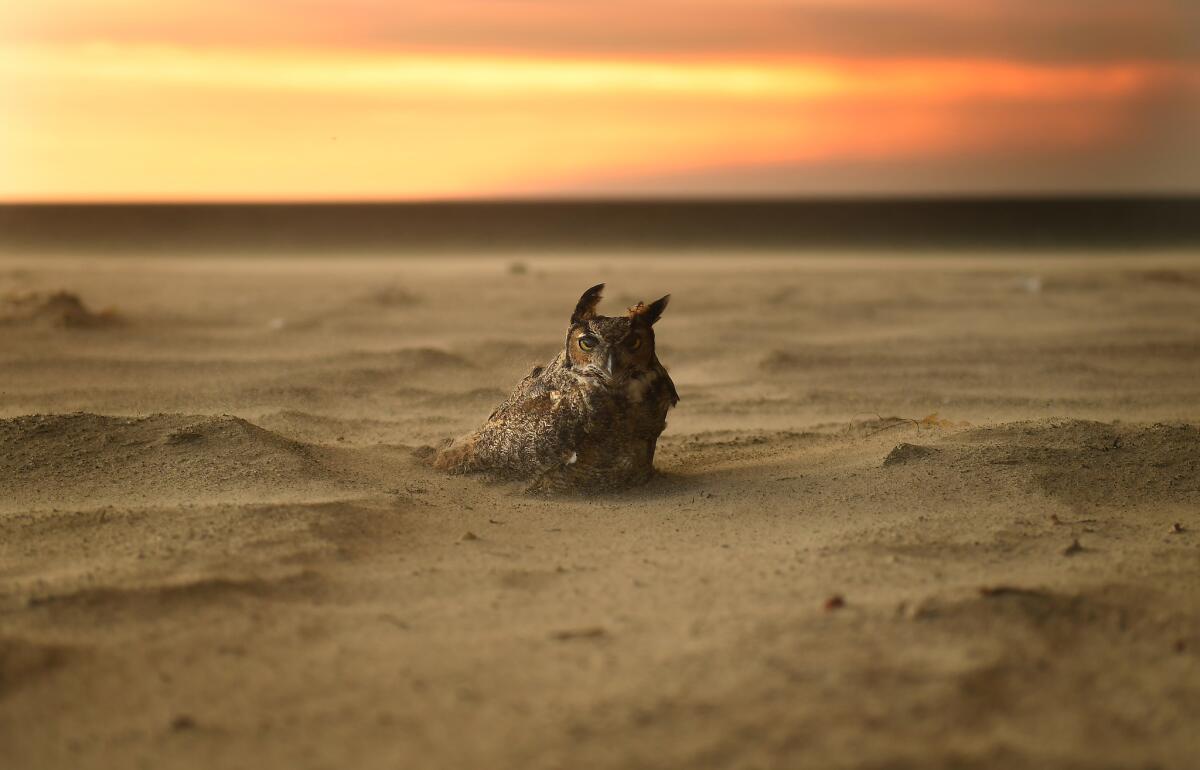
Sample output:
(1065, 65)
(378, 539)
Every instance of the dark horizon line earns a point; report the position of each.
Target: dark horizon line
(1091, 222)
(627, 200)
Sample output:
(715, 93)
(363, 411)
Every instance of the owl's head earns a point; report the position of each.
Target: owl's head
(611, 348)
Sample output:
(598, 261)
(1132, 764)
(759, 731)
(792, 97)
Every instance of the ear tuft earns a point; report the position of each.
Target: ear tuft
(649, 313)
(587, 304)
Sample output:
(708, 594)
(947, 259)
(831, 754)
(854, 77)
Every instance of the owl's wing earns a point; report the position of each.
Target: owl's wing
(537, 428)
(526, 389)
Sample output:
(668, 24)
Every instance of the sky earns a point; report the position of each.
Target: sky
(232, 100)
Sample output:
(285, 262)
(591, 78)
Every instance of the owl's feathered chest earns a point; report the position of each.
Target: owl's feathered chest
(640, 397)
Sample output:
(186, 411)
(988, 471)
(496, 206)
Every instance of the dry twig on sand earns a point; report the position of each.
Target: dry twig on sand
(928, 421)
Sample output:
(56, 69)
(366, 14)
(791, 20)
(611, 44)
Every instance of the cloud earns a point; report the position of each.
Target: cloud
(1142, 145)
(1030, 30)
(1074, 171)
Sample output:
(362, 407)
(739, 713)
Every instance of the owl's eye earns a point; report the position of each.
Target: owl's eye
(635, 343)
(587, 342)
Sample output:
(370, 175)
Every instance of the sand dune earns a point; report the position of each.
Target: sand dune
(914, 512)
(57, 308)
(86, 458)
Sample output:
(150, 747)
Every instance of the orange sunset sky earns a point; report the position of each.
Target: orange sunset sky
(111, 100)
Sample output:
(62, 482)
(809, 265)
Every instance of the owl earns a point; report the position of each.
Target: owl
(588, 420)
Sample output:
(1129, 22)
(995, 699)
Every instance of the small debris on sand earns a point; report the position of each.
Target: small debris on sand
(1177, 529)
(469, 536)
(994, 591)
(835, 602)
(393, 296)
(1073, 548)
(587, 632)
(183, 722)
(906, 452)
(184, 435)
(1054, 519)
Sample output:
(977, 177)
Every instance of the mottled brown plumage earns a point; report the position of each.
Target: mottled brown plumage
(588, 420)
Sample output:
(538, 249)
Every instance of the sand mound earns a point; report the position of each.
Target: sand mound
(178, 596)
(22, 660)
(1051, 614)
(392, 295)
(1077, 461)
(88, 458)
(904, 453)
(59, 309)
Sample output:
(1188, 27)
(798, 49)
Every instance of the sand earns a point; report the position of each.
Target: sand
(913, 512)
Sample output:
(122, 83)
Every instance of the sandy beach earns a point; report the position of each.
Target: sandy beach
(912, 512)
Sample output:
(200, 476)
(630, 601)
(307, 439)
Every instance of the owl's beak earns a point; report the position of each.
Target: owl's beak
(608, 364)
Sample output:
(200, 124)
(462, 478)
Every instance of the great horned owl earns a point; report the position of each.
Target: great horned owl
(589, 419)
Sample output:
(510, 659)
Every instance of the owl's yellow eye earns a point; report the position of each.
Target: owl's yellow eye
(587, 342)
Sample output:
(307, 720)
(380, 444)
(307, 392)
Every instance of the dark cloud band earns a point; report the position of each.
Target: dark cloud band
(1068, 31)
